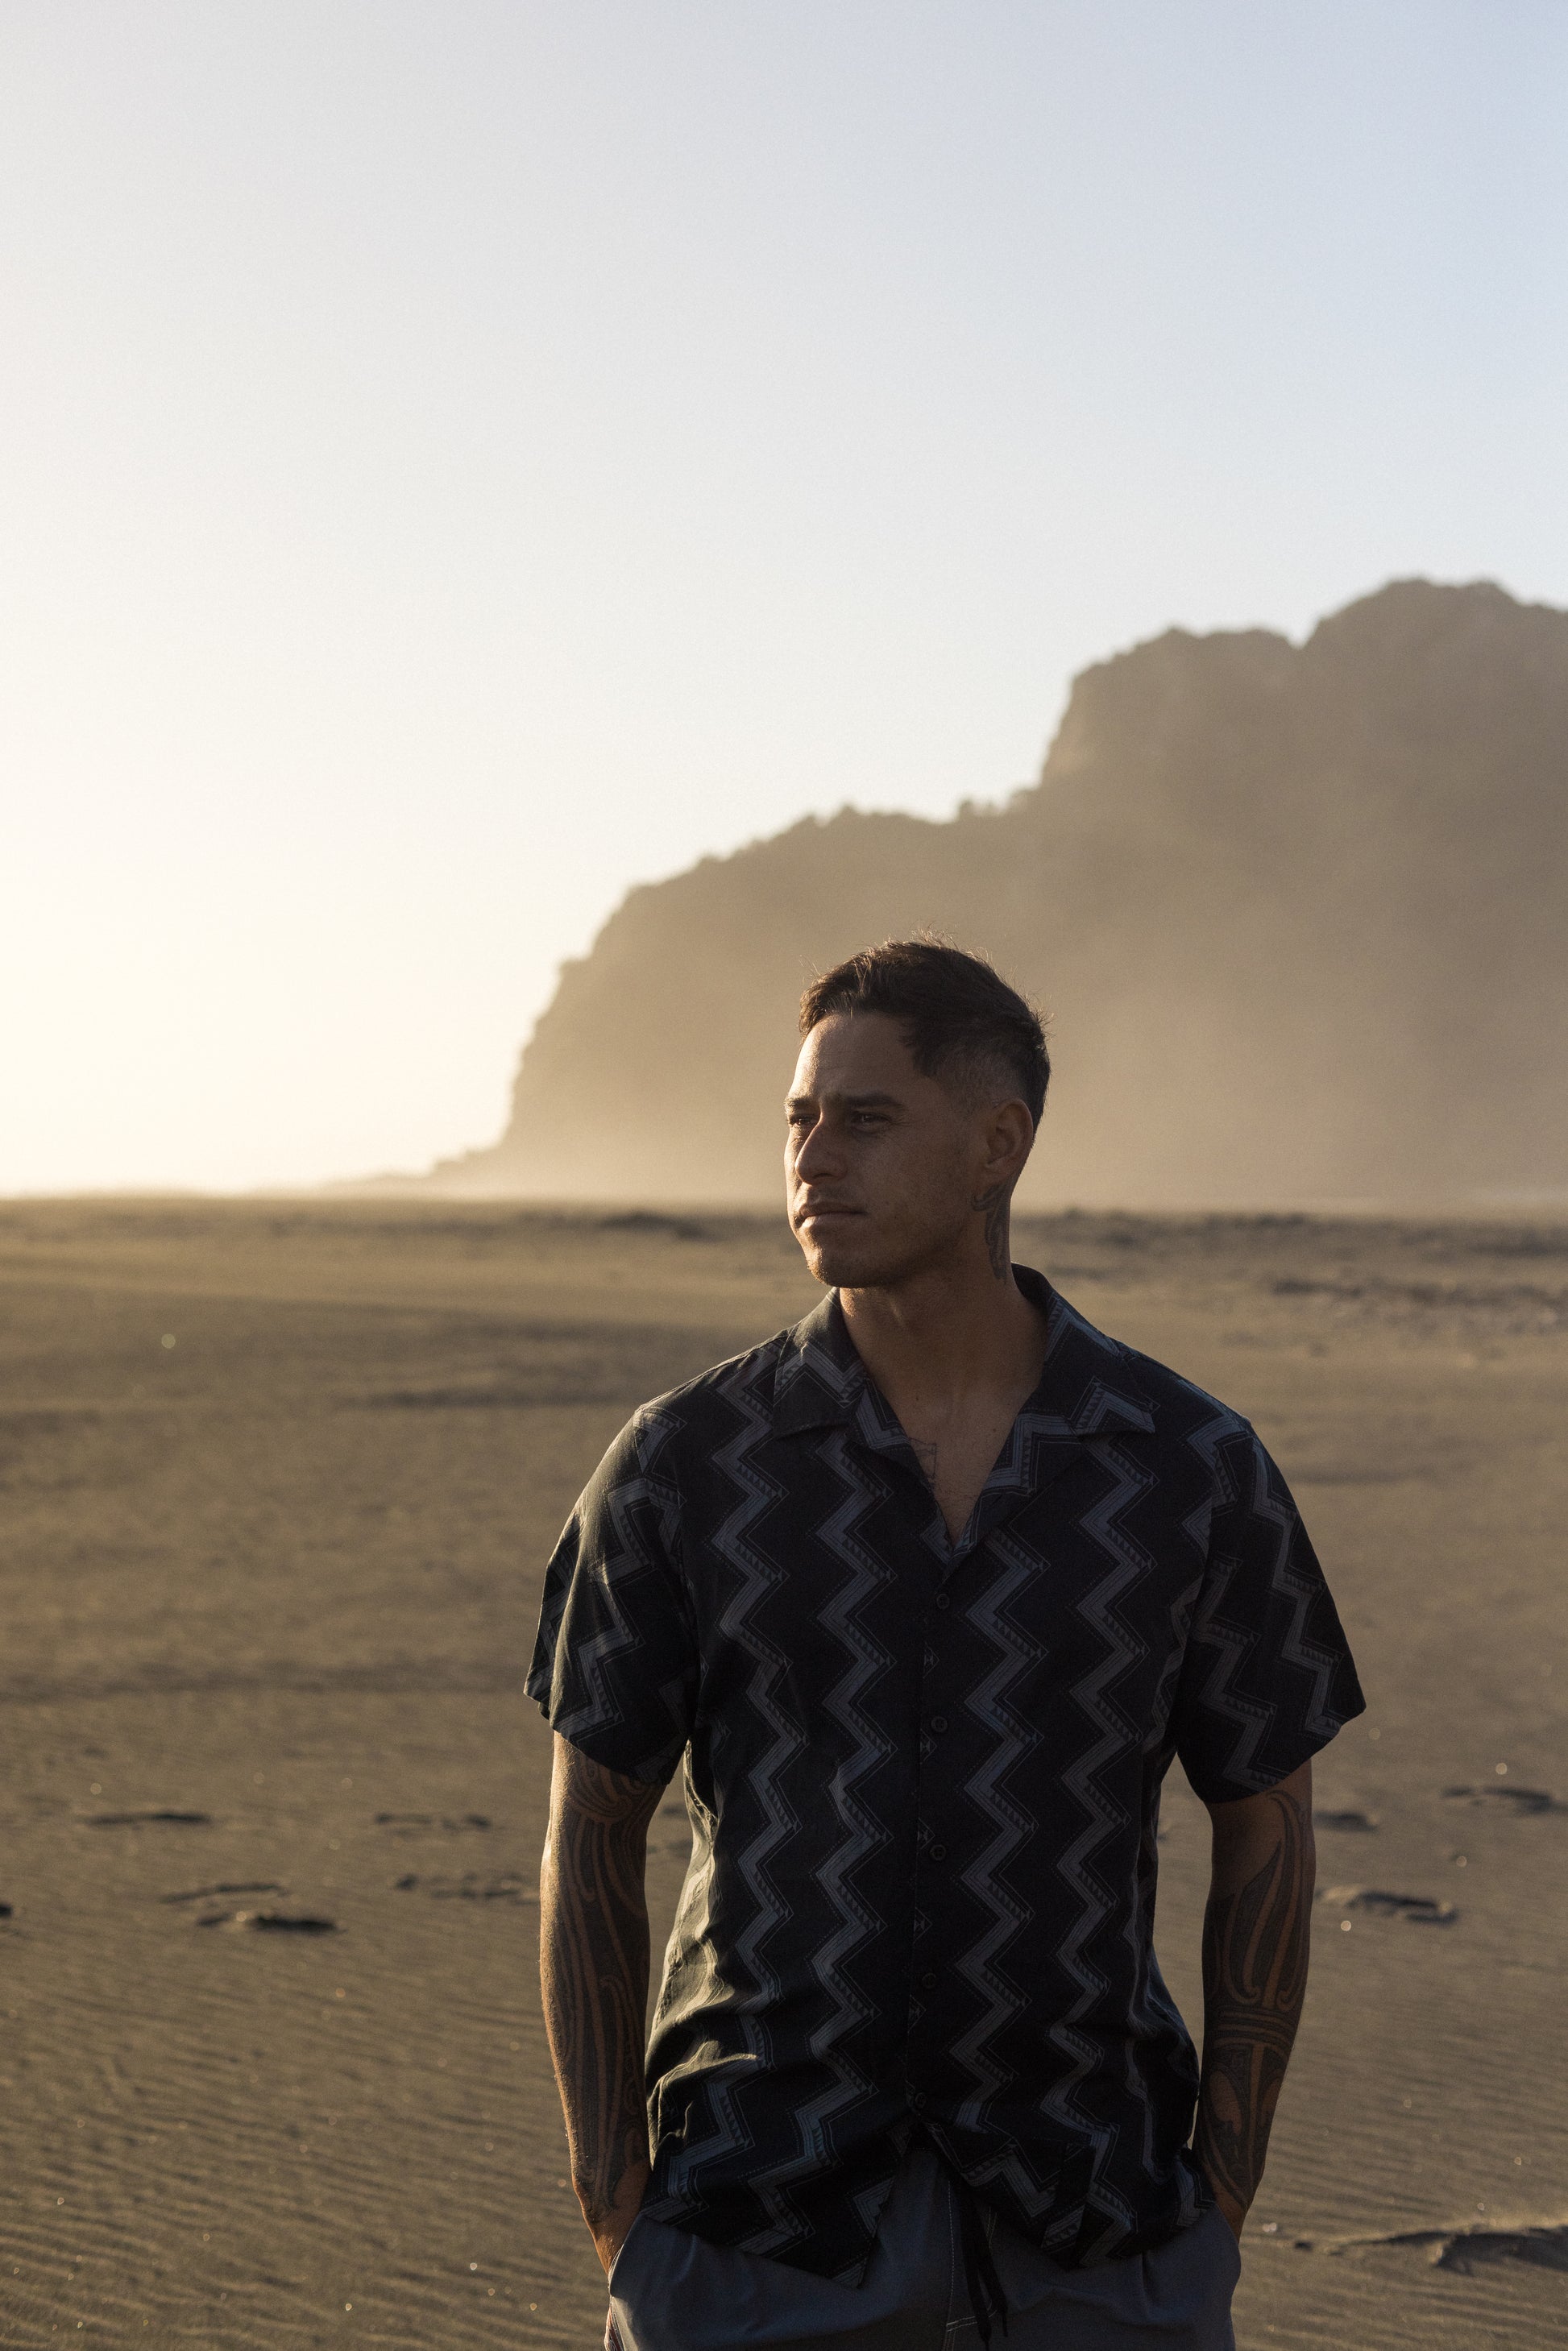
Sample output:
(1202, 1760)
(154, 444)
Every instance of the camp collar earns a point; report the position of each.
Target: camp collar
(1087, 1386)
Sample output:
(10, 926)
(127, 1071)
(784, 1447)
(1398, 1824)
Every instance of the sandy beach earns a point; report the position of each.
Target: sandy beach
(280, 1481)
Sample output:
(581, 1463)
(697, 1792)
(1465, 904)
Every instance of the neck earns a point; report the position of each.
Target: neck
(948, 1328)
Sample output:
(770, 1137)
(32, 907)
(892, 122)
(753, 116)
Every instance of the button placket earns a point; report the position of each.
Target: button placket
(931, 1851)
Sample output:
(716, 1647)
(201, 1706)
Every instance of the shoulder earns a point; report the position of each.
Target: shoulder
(706, 1412)
(1205, 1450)
(1180, 1406)
(1247, 1488)
(1205, 1430)
(1179, 1415)
(1088, 1367)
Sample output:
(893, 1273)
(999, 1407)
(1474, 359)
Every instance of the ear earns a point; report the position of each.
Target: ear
(1009, 1140)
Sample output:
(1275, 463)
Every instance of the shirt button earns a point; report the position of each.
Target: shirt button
(938, 1853)
(938, 1724)
(928, 1981)
(917, 2097)
(943, 1601)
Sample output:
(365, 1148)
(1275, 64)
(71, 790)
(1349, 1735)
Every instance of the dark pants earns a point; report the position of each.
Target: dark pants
(669, 2291)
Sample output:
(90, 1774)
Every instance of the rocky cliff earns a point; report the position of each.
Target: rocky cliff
(1298, 917)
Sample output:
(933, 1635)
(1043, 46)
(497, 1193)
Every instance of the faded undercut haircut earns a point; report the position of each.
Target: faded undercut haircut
(960, 1020)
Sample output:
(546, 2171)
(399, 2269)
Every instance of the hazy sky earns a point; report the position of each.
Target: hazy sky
(460, 459)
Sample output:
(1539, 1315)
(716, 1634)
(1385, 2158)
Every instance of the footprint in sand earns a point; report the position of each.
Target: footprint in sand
(448, 1824)
(1541, 2245)
(271, 1922)
(470, 1887)
(1417, 1910)
(1351, 1821)
(146, 1820)
(209, 1893)
(1513, 1800)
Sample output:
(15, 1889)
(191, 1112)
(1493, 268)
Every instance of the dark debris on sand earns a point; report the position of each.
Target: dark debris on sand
(1417, 1910)
(1540, 2244)
(272, 1922)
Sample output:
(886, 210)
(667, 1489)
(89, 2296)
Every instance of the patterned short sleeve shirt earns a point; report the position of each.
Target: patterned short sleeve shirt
(924, 1776)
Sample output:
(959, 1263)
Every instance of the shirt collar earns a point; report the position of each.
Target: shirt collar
(1088, 1386)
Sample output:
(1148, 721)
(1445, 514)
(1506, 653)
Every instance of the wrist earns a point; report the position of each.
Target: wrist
(611, 2227)
(1229, 2204)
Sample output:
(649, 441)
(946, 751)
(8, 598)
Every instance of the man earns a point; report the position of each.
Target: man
(928, 1592)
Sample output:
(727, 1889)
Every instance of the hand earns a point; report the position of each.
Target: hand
(1235, 2213)
(610, 2232)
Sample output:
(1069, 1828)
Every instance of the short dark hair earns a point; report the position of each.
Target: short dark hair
(959, 1016)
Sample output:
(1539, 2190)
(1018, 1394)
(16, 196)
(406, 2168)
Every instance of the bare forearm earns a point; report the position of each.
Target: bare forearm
(594, 1970)
(1255, 1948)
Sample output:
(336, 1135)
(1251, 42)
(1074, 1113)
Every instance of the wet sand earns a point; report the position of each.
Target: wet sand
(273, 2066)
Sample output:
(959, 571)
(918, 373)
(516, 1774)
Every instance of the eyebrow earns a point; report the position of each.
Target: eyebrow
(847, 1101)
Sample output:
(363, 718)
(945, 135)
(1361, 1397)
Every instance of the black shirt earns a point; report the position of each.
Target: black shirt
(924, 1776)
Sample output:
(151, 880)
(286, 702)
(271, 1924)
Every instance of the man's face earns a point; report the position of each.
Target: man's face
(881, 1163)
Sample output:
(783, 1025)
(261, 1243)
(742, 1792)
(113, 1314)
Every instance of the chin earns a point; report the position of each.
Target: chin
(853, 1257)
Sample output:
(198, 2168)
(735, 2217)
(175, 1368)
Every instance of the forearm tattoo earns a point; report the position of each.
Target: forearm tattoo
(998, 1242)
(594, 1968)
(1255, 1945)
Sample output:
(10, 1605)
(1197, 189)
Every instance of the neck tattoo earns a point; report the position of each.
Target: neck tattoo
(995, 1203)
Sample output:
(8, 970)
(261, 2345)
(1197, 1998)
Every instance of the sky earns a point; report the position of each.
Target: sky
(459, 460)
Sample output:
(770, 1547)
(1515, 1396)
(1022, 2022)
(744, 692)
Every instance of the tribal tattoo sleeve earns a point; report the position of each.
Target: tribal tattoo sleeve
(594, 1970)
(1255, 1945)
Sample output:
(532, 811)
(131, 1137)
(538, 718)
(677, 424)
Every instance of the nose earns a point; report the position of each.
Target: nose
(815, 1158)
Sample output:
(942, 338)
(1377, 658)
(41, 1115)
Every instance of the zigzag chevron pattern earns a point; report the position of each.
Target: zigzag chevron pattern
(924, 1776)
